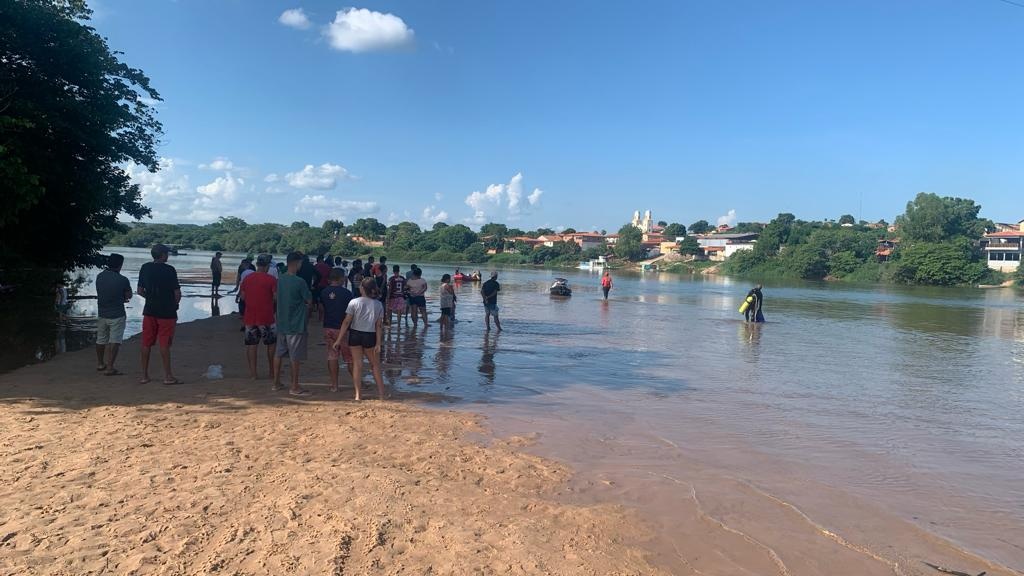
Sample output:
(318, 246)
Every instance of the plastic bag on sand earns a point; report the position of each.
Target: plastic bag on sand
(215, 372)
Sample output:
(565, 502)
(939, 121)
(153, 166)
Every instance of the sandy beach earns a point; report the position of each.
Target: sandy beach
(102, 475)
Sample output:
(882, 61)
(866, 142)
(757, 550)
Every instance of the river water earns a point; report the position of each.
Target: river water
(902, 401)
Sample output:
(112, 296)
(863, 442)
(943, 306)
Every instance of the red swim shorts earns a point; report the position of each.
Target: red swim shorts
(157, 330)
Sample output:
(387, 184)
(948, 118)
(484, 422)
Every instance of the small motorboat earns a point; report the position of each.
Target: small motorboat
(560, 287)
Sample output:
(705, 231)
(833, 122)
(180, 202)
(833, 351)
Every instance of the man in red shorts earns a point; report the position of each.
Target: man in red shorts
(158, 284)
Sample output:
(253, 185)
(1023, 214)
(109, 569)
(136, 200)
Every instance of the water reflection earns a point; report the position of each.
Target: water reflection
(486, 367)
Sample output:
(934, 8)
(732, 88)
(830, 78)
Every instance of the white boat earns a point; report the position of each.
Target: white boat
(595, 264)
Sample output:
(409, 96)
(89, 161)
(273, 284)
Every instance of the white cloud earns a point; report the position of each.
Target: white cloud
(222, 189)
(501, 201)
(729, 219)
(271, 178)
(322, 177)
(166, 183)
(431, 215)
(275, 190)
(295, 18)
(322, 207)
(362, 30)
(219, 163)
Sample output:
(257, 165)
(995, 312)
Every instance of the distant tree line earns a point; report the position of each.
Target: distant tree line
(402, 241)
(937, 245)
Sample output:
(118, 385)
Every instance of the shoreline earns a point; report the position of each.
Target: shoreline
(108, 475)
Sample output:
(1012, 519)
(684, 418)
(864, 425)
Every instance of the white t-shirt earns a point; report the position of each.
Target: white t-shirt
(245, 274)
(364, 313)
(273, 270)
(416, 286)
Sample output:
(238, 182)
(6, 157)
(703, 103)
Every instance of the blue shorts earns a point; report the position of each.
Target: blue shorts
(418, 301)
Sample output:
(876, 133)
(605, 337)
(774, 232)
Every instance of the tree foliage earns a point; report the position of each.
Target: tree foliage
(629, 245)
(72, 115)
(930, 218)
(700, 227)
(674, 230)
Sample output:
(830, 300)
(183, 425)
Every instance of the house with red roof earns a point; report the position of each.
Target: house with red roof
(1003, 248)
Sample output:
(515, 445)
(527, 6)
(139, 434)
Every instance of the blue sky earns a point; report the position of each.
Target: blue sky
(576, 113)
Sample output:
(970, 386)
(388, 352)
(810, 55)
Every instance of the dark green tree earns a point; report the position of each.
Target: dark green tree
(402, 236)
(455, 238)
(629, 245)
(334, 228)
(847, 219)
(689, 246)
(674, 230)
(700, 227)
(72, 115)
(368, 228)
(930, 218)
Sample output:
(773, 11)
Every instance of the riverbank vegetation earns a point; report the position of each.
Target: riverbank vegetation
(404, 241)
(936, 243)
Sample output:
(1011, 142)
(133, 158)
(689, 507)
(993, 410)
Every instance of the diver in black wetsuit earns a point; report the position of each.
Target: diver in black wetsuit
(753, 312)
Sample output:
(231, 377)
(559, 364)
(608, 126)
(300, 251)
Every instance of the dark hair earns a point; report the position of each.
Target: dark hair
(368, 268)
(219, 254)
(115, 261)
(337, 260)
(383, 260)
(446, 278)
(159, 250)
(319, 258)
(396, 268)
(370, 259)
(336, 275)
(295, 257)
(357, 263)
(368, 287)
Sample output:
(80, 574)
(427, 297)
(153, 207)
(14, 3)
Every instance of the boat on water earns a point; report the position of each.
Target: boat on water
(560, 288)
(596, 264)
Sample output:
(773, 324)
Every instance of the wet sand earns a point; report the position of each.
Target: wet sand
(102, 475)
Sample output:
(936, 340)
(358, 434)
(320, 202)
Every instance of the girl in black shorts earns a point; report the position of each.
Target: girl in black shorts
(362, 330)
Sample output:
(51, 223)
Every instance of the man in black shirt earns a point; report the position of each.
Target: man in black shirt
(158, 284)
(489, 292)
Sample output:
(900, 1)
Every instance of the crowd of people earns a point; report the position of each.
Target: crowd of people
(277, 300)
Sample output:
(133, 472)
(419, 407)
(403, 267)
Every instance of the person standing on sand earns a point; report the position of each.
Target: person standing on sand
(489, 292)
(335, 299)
(606, 283)
(258, 292)
(417, 290)
(754, 313)
(363, 328)
(216, 270)
(158, 284)
(294, 301)
(112, 291)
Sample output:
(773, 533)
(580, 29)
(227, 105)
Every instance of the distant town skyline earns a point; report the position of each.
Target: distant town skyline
(564, 115)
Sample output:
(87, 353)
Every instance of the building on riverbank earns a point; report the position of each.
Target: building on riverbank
(1003, 248)
(718, 247)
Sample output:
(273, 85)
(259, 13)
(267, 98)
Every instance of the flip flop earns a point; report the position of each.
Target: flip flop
(300, 392)
(101, 368)
(174, 382)
(144, 380)
(277, 388)
(113, 372)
